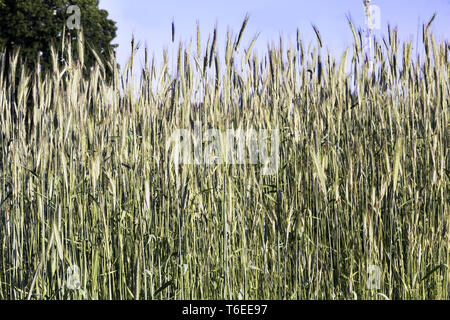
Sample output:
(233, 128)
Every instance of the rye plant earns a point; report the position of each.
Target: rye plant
(91, 207)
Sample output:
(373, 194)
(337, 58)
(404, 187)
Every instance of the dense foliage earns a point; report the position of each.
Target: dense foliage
(91, 207)
(33, 26)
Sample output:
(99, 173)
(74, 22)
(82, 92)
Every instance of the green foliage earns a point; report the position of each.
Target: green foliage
(363, 179)
(34, 26)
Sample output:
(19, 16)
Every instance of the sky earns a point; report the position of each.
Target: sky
(151, 22)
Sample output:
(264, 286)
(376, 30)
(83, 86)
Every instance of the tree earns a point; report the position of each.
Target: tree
(36, 25)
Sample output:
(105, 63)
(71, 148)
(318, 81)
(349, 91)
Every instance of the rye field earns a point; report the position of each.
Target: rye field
(95, 205)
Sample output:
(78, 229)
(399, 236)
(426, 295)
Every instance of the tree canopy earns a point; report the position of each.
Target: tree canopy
(36, 25)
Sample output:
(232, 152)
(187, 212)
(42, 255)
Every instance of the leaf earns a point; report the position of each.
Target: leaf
(397, 158)
(164, 286)
(59, 246)
(441, 266)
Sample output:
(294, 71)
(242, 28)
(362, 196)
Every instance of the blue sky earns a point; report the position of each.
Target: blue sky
(150, 21)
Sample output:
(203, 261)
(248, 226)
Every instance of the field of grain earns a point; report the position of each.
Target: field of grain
(91, 207)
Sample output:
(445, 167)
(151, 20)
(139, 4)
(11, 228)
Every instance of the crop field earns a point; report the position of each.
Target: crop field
(96, 204)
